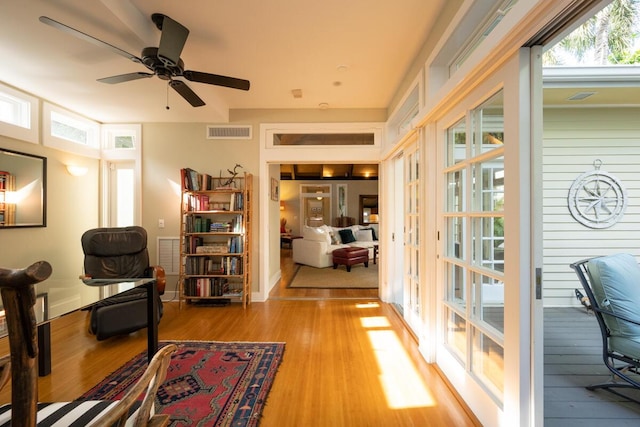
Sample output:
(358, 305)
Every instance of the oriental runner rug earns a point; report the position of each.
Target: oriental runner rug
(208, 383)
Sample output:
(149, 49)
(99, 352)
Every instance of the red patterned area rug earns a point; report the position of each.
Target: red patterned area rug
(208, 383)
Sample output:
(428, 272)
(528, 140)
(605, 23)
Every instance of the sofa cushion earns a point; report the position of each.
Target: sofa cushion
(364, 235)
(316, 234)
(373, 232)
(346, 235)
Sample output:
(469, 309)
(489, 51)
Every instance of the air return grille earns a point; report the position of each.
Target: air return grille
(228, 132)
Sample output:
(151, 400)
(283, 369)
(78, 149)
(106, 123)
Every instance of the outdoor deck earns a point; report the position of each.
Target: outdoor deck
(572, 360)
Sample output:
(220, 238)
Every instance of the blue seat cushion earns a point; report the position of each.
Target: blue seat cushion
(615, 280)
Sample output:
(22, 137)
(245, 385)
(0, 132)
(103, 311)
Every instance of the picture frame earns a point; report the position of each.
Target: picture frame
(275, 190)
(341, 190)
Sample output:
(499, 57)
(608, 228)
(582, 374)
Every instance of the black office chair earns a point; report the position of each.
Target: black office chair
(116, 253)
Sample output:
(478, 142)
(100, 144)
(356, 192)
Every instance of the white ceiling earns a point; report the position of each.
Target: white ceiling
(279, 45)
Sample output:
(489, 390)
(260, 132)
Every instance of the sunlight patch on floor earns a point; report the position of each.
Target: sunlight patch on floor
(402, 383)
(375, 322)
(367, 305)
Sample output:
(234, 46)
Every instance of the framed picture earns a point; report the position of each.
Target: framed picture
(342, 199)
(275, 189)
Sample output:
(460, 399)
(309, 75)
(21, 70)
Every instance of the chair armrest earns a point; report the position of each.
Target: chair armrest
(617, 316)
(150, 380)
(157, 272)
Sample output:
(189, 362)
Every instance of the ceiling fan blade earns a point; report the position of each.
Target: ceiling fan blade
(88, 38)
(125, 77)
(186, 92)
(215, 79)
(174, 36)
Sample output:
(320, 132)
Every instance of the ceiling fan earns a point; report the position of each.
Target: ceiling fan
(163, 61)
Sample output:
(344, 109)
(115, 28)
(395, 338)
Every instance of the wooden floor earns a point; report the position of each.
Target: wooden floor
(281, 291)
(348, 361)
(573, 360)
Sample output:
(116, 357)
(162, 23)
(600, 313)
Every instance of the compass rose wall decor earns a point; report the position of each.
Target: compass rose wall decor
(597, 199)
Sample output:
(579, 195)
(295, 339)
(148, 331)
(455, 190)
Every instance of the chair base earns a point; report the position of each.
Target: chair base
(611, 388)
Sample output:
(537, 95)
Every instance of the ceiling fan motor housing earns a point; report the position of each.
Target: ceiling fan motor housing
(151, 60)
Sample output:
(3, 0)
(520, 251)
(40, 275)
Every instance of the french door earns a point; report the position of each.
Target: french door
(412, 259)
(485, 268)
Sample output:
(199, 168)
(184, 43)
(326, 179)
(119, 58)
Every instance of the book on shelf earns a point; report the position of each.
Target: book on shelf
(206, 287)
(192, 180)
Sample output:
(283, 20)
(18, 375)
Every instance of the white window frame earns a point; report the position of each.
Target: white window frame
(90, 149)
(111, 159)
(30, 133)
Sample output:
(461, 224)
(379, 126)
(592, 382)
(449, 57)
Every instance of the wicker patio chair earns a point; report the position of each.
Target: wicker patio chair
(612, 286)
(18, 297)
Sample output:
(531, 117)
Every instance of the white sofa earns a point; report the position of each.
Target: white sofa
(318, 243)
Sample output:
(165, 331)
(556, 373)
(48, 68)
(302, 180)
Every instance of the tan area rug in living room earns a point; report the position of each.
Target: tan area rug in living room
(360, 277)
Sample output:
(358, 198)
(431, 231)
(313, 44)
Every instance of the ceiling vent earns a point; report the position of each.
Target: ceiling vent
(228, 132)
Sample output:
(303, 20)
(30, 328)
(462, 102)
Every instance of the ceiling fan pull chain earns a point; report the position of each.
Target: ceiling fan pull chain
(168, 84)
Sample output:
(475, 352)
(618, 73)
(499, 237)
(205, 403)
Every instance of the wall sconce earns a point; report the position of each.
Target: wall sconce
(77, 170)
(281, 205)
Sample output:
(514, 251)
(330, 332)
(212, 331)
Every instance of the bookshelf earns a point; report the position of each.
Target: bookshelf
(215, 236)
(7, 209)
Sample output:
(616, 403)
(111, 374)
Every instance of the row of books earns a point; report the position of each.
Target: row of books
(206, 287)
(217, 202)
(191, 180)
(199, 224)
(198, 245)
(221, 266)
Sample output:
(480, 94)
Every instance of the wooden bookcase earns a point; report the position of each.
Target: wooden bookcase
(215, 235)
(7, 209)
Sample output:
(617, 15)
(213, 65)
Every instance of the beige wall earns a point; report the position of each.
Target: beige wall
(72, 208)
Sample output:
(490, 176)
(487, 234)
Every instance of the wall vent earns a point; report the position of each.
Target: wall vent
(228, 132)
(169, 254)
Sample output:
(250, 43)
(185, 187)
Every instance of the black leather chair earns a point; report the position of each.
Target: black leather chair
(120, 252)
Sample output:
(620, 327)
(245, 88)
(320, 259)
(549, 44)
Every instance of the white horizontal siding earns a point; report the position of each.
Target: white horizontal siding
(573, 140)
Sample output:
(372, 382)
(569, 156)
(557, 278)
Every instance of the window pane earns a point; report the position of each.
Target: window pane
(15, 111)
(456, 143)
(488, 123)
(124, 141)
(125, 203)
(456, 288)
(456, 334)
(488, 362)
(488, 242)
(455, 191)
(488, 186)
(324, 139)
(66, 128)
(489, 300)
(455, 237)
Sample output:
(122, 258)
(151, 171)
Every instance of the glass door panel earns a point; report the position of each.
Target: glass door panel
(474, 243)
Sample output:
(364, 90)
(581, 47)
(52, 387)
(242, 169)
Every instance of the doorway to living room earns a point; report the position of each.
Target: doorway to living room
(273, 258)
